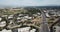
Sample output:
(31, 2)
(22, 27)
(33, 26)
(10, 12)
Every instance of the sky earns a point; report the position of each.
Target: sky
(29, 2)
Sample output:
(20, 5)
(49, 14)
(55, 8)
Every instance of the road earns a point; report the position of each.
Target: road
(44, 23)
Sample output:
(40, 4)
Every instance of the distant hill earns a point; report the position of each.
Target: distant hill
(49, 6)
(52, 7)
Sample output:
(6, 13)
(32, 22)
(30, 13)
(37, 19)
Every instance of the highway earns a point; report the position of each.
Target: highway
(44, 23)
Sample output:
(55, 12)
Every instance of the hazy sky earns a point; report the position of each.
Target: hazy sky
(29, 2)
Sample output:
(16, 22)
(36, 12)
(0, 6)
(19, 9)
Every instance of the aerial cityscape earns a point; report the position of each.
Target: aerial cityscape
(29, 15)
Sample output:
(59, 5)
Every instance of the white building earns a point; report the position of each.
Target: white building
(4, 30)
(33, 30)
(10, 16)
(0, 18)
(26, 29)
(2, 24)
(57, 29)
